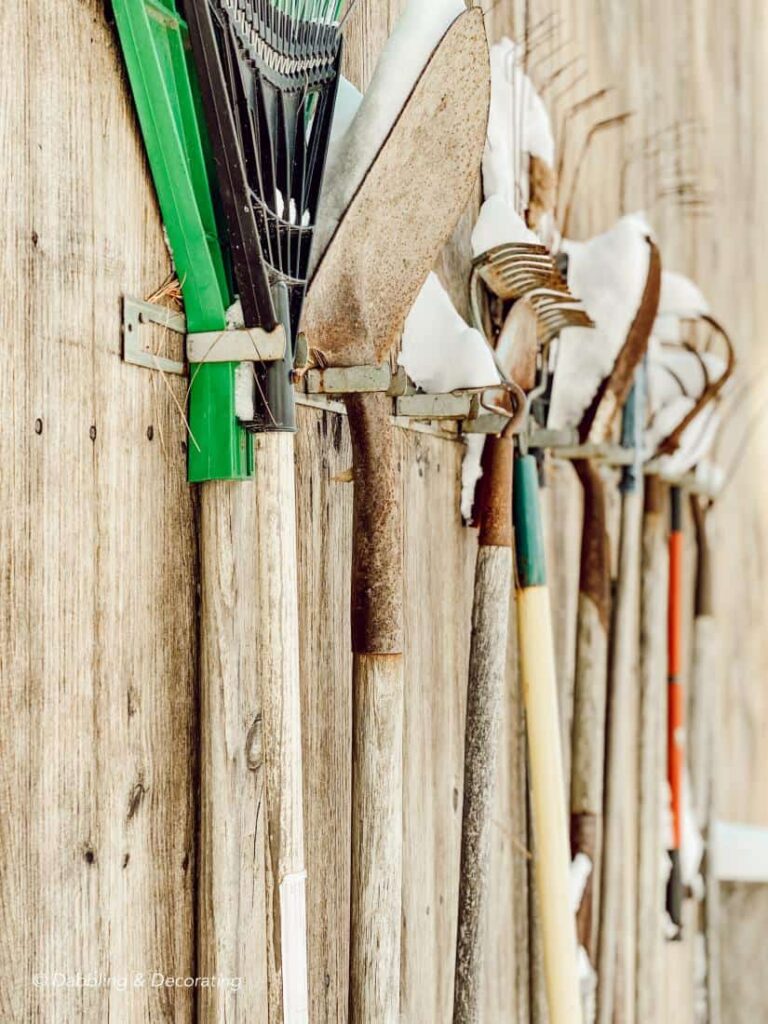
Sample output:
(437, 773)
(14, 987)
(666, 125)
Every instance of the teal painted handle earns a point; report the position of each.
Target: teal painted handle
(529, 537)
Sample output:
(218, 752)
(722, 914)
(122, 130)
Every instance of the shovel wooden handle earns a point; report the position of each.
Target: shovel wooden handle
(537, 668)
(377, 714)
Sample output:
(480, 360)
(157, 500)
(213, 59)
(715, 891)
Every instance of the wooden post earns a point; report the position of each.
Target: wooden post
(251, 762)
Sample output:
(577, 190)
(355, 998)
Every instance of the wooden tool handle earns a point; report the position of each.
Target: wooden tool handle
(675, 707)
(652, 756)
(377, 838)
(377, 714)
(487, 674)
(537, 669)
(549, 811)
(617, 925)
(588, 766)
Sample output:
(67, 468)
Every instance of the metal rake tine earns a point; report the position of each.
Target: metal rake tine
(513, 248)
(543, 269)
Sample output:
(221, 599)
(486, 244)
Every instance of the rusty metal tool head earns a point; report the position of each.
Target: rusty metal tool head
(713, 388)
(366, 282)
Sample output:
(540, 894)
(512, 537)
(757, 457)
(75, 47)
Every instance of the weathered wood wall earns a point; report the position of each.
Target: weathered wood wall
(98, 617)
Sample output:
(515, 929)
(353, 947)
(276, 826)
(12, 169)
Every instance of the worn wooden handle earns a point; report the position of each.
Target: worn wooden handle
(377, 843)
(617, 926)
(377, 714)
(537, 671)
(487, 674)
(652, 756)
(537, 668)
(590, 695)
(251, 746)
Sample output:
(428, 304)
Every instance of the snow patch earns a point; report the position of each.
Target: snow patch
(518, 125)
(581, 871)
(244, 392)
(500, 224)
(440, 352)
(608, 273)
(471, 473)
(404, 57)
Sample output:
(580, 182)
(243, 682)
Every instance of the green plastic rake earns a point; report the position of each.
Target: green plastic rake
(158, 59)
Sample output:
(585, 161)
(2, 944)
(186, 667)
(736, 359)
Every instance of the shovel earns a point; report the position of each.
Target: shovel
(364, 287)
(617, 938)
(594, 607)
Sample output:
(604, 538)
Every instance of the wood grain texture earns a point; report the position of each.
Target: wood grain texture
(97, 548)
(590, 697)
(324, 506)
(377, 803)
(233, 887)
(98, 649)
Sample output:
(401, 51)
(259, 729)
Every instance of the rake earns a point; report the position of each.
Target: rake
(268, 73)
(710, 393)
(515, 272)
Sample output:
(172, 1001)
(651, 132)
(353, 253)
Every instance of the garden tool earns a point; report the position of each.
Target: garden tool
(364, 286)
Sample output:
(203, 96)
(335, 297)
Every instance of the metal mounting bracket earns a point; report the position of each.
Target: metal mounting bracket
(249, 344)
(136, 313)
(458, 406)
(356, 380)
(246, 345)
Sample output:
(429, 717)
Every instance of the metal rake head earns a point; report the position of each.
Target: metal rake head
(297, 42)
(528, 271)
(269, 73)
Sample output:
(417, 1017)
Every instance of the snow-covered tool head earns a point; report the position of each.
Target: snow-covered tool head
(407, 202)
(692, 361)
(617, 276)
